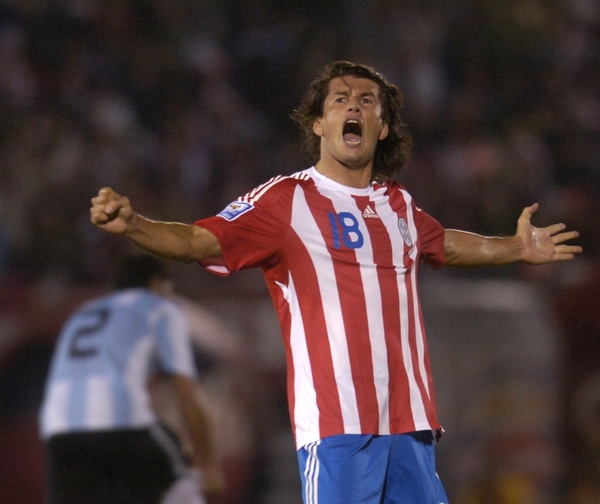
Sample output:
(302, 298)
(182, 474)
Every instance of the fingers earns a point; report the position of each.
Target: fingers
(558, 237)
(555, 228)
(98, 212)
(529, 211)
(105, 195)
(563, 257)
(567, 251)
(564, 252)
(563, 237)
(106, 206)
(533, 208)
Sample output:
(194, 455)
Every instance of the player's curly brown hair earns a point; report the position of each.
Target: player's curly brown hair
(392, 152)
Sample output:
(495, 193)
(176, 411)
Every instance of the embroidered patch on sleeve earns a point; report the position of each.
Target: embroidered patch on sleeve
(234, 210)
(405, 232)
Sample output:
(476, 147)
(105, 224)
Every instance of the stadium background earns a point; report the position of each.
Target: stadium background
(183, 105)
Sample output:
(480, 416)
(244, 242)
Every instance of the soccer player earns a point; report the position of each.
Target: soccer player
(339, 244)
(104, 443)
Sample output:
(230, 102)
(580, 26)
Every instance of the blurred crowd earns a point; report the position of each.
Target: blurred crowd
(184, 105)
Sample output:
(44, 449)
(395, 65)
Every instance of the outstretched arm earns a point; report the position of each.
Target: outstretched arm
(113, 213)
(530, 244)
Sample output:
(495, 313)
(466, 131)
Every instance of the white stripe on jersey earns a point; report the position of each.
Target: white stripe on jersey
(306, 411)
(256, 193)
(54, 414)
(99, 406)
(413, 274)
(304, 224)
(374, 314)
(135, 380)
(416, 401)
(419, 335)
(178, 324)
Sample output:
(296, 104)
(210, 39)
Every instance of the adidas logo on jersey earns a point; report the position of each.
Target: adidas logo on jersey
(369, 213)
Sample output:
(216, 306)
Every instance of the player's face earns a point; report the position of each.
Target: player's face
(351, 124)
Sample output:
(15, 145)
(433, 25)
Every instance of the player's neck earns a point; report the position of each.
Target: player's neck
(348, 176)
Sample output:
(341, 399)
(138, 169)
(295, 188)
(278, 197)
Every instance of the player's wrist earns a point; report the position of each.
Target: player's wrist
(515, 246)
(134, 225)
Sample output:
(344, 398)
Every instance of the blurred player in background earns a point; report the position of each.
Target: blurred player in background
(103, 441)
(339, 245)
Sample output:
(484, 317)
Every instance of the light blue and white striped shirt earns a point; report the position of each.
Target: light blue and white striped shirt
(104, 357)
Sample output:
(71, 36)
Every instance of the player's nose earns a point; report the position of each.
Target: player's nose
(353, 105)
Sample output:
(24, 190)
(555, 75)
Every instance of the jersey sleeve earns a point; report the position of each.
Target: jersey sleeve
(173, 341)
(250, 232)
(432, 235)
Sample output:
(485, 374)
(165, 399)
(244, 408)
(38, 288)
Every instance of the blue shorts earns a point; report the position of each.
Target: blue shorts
(368, 469)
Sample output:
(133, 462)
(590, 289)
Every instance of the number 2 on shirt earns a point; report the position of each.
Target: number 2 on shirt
(345, 225)
(99, 318)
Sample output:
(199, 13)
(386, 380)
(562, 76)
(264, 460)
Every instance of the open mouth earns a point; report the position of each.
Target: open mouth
(352, 132)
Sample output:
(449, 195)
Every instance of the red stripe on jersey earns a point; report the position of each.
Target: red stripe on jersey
(285, 317)
(401, 417)
(412, 339)
(413, 304)
(317, 342)
(354, 313)
(430, 405)
(410, 300)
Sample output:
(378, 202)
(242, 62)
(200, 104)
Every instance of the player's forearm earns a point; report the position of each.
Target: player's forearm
(196, 420)
(464, 249)
(201, 438)
(172, 240)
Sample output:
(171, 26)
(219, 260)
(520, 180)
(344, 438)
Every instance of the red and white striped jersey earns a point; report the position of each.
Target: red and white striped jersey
(341, 266)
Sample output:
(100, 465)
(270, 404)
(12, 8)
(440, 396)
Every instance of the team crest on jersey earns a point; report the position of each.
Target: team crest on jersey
(234, 210)
(404, 231)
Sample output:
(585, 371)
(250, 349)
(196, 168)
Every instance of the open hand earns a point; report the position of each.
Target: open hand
(544, 245)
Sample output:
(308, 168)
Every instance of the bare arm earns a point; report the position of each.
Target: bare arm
(530, 244)
(198, 428)
(113, 213)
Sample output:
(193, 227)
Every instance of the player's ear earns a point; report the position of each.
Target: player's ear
(318, 127)
(384, 132)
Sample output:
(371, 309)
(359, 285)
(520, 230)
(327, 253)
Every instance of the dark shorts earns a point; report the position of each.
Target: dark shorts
(112, 467)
